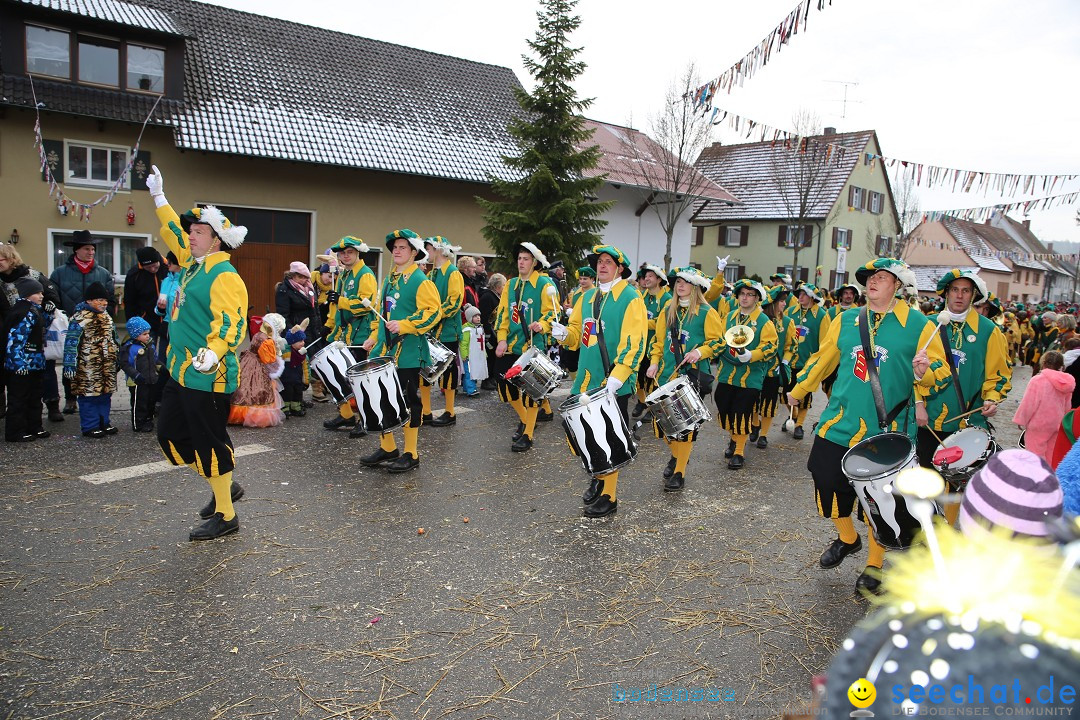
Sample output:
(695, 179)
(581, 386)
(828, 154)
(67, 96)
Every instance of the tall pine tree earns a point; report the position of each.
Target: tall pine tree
(548, 201)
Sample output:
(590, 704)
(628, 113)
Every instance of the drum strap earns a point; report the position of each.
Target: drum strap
(521, 312)
(952, 368)
(597, 304)
(884, 421)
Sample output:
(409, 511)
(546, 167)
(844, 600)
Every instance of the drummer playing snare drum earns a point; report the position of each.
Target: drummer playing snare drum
(980, 354)
(896, 334)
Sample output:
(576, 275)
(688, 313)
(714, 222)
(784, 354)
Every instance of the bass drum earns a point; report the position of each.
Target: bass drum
(870, 467)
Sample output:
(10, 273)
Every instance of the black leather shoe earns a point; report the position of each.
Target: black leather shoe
(544, 416)
(639, 409)
(835, 553)
(670, 469)
(235, 491)
(602, 508)
(54, 411)
(42, 434)
(405, 463)
(110, 430)
(736, 462)
(869, 582)
(444, 420)
(673, 483)
(488, 385)
(215, 527)
(297, 412)
(29, 437)
(145, 428)
(522, 444)
(755, 431)
(70, 406)
(426, 419)
(519, 432)
(339, 422)
(306, 404)
(358, 431)
(592, 494)
(730, 449)
(94, 433)
(797, 433)
(380, 456)
(762, 442)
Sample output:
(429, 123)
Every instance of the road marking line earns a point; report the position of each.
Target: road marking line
(108, 476)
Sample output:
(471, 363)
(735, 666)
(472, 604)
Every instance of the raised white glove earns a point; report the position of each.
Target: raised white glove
(721, 263)
(205, 361)
(613, 384)
(155, 183)
(559, 331)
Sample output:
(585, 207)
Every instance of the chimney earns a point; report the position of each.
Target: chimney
(1027, 224)
(829, 131)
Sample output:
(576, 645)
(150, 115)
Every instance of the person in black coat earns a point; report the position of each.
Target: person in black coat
(295, 299)
(143, 286)
(489, 304)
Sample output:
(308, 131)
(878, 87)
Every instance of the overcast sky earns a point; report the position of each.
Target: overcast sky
(975, 84)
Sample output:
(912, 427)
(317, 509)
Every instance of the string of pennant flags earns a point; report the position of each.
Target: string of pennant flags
(1008, 254)
(66, 204)
(760, 54)
(922, 174)
(987, 211)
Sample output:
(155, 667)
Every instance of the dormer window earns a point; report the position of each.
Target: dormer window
(48, 52)
(99, 61)
(94, 60)
(145, 68)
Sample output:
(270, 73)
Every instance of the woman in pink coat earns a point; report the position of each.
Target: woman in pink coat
(1044, 405)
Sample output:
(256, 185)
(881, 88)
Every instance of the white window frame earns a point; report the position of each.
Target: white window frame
(118, 273)
(90, 146)
(731, 274)
(843, 238)
(728, 236)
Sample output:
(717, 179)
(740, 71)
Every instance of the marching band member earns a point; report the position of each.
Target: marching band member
(741, 370)
(785, 280)
(652, 285)
(409, 307)
(528, 306)
(349, 317)
(451, 286)
(847, 297)
(689, 332)
(208, 323)
(568, 359)
(779, 368)
(811, 325)
(614, 312)
(896, 333)
(980, 355)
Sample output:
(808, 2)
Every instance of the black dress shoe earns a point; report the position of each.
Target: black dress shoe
(592, 493)
(519, 432)
(673, 483)
(736, 462)
(235, 492)
(603, 507)
(869, 582)
(762, 442)
(110, 429)
(380, 456)
(306, 404)
(405, 463)
(444, 420)
(835, 553)
(215, 527)
(70, 407)
(639, 409)
(28, 437)
(522, 444)
(54, 414)
(339, 422)
(426, 419)
(298, 412)
(358, 431)
(755, 430)
(797, 433)
(42, 434)
(670, 469)
(94, 433)
(730, 449)
(544, 416)
(488, 385)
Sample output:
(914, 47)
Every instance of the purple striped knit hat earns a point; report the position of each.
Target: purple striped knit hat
(1016, 490)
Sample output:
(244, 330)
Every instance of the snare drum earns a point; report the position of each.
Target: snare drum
(380, 402)
(539, 374)
(677, 408)
(871, 466)
(596, 432)
(442, 358)
(331, 364)
(977, 445)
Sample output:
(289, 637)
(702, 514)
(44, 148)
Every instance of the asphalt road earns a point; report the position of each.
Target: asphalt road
(329, 603)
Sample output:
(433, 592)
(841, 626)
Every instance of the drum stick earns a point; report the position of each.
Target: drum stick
(939, 440)
(964, 415)
(943, 318)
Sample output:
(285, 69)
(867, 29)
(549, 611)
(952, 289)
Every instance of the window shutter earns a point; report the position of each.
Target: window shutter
(832, 280)
(721, 236)
(807, 235)
(699, 235)
(781, 236)
(140, 169)
(54, 156)
(851, 196)
(835, 237)
(744, 236)
(804, 274)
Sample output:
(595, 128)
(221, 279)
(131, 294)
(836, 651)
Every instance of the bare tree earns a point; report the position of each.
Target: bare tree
(908, 212)
(664, 161)
(801, 172)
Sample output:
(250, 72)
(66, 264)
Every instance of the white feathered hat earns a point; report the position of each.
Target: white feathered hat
(532, 250)
(232, 236)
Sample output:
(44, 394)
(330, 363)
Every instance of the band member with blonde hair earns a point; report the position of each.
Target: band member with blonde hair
(776, 377)
(652, 284)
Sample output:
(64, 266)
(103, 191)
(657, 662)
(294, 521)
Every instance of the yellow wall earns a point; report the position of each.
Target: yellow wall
(344, 201)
